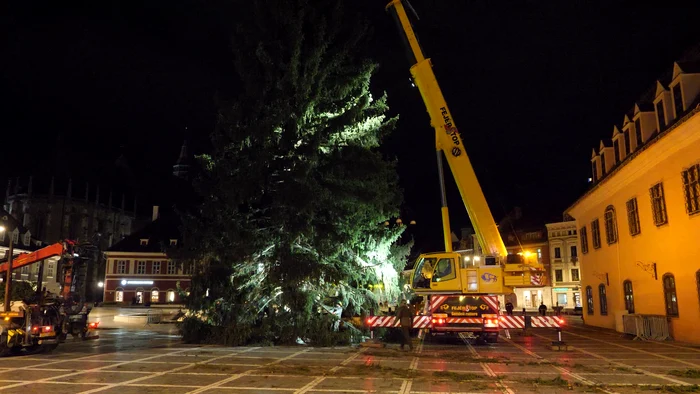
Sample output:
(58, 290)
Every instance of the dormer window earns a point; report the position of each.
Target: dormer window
(27, 238)
(638, 132)
(616, 148)
(677, 99)
(144, 242)
(602, 162)
(173, 242)
(660, 115)
(595, 171)
(627, 142)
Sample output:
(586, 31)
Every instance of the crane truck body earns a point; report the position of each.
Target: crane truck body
(44, 321)
(460, 289)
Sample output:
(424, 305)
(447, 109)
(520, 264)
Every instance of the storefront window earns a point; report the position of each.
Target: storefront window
(155, 295)
(119, 295)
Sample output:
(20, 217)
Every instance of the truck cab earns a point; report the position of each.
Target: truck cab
(465, 272)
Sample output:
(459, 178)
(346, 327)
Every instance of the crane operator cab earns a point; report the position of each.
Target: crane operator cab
(457, 272)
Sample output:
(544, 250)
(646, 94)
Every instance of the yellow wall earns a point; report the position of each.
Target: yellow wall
(674, 247)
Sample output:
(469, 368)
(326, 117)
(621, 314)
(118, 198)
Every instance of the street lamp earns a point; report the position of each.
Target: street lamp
(100, 284)
(8, 276)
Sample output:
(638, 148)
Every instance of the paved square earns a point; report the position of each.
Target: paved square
(147, 361)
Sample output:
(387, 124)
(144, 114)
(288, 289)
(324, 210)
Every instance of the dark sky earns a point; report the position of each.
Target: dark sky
(532, 85)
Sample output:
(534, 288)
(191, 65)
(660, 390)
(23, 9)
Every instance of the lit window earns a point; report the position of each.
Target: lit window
(155, 295)
(144, 242)
(119, 295)
(156, 267)
(173, 242)
(172, 268)
(691, 189)
(633, 217)
(575, 275)
(171, 296)
(629, 296)
(595, 233)
(658, 204)
(140, 267)
(584, 240)
(139, 295)
(670, 297)
(589, 299)
(610, 225)
(603, 300)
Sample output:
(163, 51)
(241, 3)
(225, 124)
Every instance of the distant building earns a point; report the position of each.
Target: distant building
(54, 211)
(640, 221)
(530, 240)
(139, 269)
(24, 242)
(521, 236)
(565, 268)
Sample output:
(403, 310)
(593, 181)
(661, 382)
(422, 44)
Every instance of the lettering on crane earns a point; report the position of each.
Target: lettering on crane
(451, 131)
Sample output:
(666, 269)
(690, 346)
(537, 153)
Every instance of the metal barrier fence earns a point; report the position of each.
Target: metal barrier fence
(153, 317)
(647, 327)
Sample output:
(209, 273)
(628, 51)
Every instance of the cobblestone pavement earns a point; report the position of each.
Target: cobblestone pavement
(141, 361)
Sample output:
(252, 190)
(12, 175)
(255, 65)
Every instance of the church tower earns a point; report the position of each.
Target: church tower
(181, 168)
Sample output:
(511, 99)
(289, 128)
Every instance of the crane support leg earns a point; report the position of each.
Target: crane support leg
(446, 232)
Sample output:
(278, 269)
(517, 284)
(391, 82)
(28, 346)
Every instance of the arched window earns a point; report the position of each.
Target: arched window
(155, 297)
(610, 225)
(670, 295)
(629, 296)
(589, 299)
(139, 295)
(171, 295)
(119, 295)
(603, 300)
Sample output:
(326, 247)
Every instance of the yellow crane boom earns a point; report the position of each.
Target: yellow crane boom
(452, 272)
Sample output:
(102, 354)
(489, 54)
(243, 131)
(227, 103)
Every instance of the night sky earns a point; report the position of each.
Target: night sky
(533, 87)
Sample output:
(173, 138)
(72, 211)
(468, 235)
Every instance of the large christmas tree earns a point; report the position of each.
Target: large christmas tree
(295, 192)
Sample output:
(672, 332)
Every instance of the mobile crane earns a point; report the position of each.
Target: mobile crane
(461, 287)
(44, 322)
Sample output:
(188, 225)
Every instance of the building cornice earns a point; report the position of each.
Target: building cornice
(664, 145)
(146, 254)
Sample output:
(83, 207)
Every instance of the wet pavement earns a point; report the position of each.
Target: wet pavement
(153, 360)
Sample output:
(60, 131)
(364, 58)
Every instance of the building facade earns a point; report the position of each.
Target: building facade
(139, 270)
(24, 242)
(530, 241)
(639, 222)
(53, 211)
(565, 270)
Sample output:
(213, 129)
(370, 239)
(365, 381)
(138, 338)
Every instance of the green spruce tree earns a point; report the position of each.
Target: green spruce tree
(295, 192)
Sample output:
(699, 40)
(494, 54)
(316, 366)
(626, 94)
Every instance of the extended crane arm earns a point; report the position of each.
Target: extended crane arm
(449, 142)
(33, 257)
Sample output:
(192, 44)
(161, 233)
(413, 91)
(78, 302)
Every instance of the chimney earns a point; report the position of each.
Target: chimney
(155, 213)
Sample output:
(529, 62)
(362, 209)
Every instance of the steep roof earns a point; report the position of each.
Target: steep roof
(158, 233)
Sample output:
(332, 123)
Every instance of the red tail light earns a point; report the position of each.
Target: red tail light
(46, 329)
(439, 321)
(561, 321)
(35, 328)
(93, 324)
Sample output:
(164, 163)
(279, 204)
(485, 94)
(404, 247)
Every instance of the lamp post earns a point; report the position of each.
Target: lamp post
(8, 275)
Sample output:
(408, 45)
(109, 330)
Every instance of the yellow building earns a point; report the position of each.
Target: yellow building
(639, 224)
